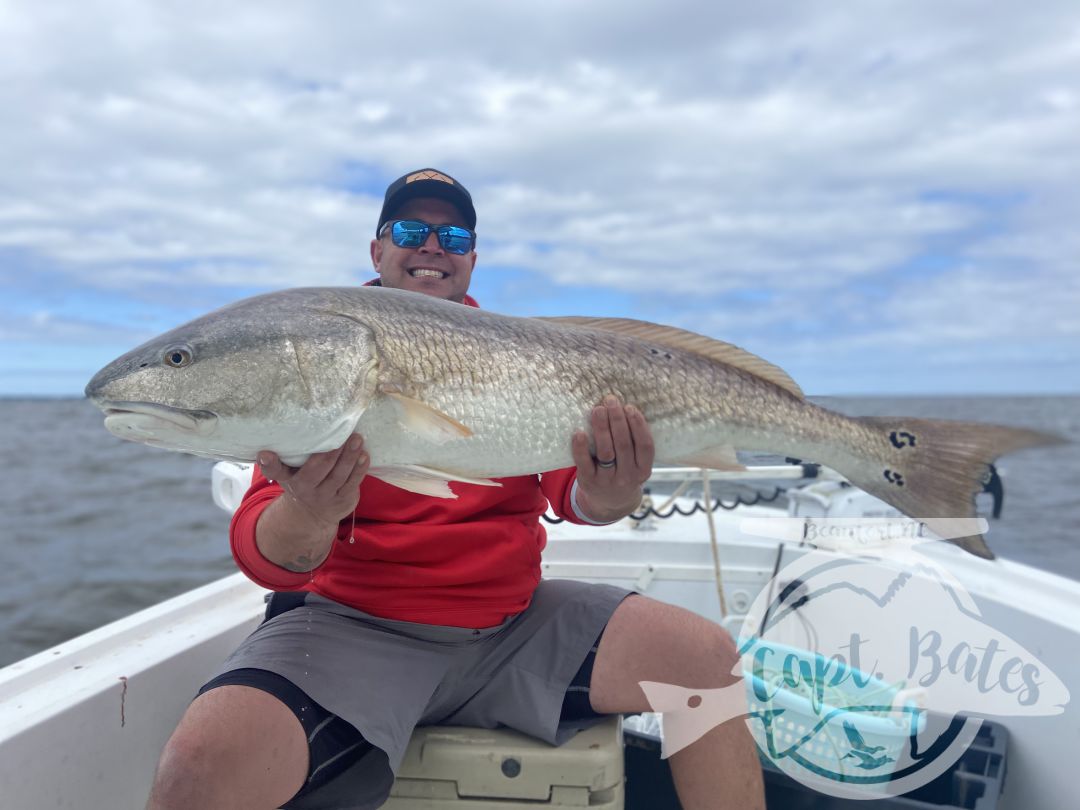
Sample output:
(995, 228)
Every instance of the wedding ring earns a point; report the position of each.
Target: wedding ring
(605, 464)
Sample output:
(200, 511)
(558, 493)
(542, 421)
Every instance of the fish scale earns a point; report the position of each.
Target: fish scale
(542, 382)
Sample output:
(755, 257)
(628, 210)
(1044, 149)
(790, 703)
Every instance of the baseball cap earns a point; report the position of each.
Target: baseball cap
(426, 183)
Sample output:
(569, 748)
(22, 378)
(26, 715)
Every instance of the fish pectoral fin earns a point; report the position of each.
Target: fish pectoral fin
(714, 458)
(426, 480)
(425, 421)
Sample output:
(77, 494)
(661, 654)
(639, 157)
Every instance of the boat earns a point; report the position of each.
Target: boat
(82, 724)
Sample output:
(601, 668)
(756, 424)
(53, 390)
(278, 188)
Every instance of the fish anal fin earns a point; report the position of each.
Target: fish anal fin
(421, 485)
(426, 421)
(426, 480)
(714, 458)
(686, 341)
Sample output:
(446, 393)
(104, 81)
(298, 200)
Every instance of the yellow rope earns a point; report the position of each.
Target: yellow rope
(712, 539)
(679, 490)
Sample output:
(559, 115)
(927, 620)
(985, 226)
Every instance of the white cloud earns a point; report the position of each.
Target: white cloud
(45, 327)
(676, 151)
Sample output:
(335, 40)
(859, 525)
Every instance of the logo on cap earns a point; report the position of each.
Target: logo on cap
(428, 175)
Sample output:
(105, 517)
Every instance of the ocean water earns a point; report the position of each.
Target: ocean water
(94, 528)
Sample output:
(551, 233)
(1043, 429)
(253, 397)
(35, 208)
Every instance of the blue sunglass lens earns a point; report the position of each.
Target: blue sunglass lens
(455, 240)
(408, 233)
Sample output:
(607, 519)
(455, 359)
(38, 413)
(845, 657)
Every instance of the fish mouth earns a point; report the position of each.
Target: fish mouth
(148, 418)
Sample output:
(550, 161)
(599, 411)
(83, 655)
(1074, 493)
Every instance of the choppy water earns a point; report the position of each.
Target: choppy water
(94, 528)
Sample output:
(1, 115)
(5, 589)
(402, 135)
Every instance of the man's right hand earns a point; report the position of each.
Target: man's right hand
(297, 530)
(327, 485)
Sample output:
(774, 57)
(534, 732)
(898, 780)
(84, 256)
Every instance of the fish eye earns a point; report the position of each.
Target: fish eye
(177, 356)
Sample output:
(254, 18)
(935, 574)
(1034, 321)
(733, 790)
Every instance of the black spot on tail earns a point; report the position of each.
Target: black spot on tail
(901, 438)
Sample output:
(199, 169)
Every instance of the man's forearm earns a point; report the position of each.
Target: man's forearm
(287, 534)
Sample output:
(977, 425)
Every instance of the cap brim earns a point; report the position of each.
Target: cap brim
(429, 188)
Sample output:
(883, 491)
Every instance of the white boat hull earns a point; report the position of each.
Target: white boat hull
(82, 724)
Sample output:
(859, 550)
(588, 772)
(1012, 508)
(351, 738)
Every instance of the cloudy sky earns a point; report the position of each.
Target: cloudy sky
(881, 197)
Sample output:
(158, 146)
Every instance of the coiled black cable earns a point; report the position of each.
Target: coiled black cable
(697, 507)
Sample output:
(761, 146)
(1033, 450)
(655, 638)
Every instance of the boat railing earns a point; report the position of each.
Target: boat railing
(230, 480)
(761, 472)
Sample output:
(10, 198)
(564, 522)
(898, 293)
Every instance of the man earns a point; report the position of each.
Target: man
(393, 610)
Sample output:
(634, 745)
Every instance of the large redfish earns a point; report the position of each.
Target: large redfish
(443, 392)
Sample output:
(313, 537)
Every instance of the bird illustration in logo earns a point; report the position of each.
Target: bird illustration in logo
(863, 752)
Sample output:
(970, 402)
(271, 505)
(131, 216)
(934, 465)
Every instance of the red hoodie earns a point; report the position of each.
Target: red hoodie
(466, 562)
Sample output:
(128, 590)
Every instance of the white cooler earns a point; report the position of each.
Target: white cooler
(452, 768)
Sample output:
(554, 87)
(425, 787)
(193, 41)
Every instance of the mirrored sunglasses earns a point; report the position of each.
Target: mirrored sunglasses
(412, 233)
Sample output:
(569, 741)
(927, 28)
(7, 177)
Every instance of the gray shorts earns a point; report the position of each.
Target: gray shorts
(386, 677)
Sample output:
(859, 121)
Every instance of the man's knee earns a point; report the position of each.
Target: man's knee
(723, 655)
(672, 633)
(701, 651)
(181, 773)
(236, 747)
(188, 771)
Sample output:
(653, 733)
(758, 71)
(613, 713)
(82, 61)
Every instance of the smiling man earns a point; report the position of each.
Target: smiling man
(392, 609)
(406, 257)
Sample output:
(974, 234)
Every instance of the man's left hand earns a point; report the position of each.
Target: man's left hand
(609, 483)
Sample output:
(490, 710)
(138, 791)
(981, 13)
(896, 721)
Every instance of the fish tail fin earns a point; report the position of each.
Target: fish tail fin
(931, 469)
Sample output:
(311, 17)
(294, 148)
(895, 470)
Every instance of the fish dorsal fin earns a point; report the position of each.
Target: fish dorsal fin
(686, 341)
